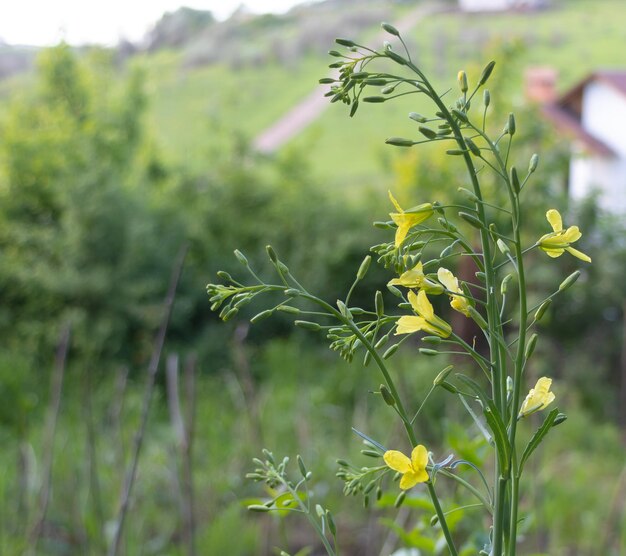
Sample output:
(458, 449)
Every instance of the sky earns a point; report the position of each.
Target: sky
(46, 22)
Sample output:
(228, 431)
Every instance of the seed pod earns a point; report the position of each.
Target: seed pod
(569, 281)
(390, 29)
(386, 394)
(477, 317)
(542, 309)
(486, 74)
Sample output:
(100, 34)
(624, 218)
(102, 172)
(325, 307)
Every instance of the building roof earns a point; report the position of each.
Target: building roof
(566, 111)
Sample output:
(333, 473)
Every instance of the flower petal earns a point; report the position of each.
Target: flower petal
(395, 203)
(554, 253)
(409, 324)
(419, 458)
(409, 480)
(578, 254)
(397, 461)
(571, 235)
(423, 306)
(448, 280)
(555, 220)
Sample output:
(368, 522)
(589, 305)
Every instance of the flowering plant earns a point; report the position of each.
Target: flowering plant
(494, 396)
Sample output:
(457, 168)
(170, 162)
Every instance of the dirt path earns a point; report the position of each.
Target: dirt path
(312, 106)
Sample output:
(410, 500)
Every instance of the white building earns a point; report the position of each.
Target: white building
(593, 113)
(498, 5)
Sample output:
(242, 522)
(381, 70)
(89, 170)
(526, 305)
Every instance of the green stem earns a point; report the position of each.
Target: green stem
(442, 518)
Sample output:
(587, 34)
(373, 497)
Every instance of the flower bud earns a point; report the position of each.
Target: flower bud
(326, 81)
(486, 98)
(471, 220)
(417, 117)
(534, 160)
(435, 340)
(258, 508)
(365, 265)
(399, 142)
(288, 309)
(504, 284)
(455, 152)
(379, 304)
(400, 499)
(515, 179)
(374, 100)
(569, 281)
(472, 146)
(382, 341)
(224, 276)
(443, 375)
(462, 116)
(429, 352)
(427, 132)
(301, 466)
(477, 317)
(503, 247)
(395, 291)
(391, 351)
(462, 79)
(510, 125)
(345, 42)
(390, 29)
(486, 73)
(241, 257)
(386, 394)
(230, 314)
(530, 346)
(292, 292)
(307, 325)
(542, 309)
(396, 57)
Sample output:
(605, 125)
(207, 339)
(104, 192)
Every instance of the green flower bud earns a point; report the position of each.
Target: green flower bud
(486, 74)
(510, 125)
(486, 98)
(399, 142)
(504, 284)
(396, 57)
(395, 291)
(515, 180)
(455, 152)
(345, 42)
(365, 265)
(472, 146)
(307, 325)
(481, 276)
(374, 100)
(230, 314)
(530, 346)
(288, 309)
(443, 375)
(241, 257)
(534, 160)
(542, 309)
(427, 132)
(379, 304)
(386, 394)
(429, 352)
(303, 470)
(224, 276)
(292, 292)
(391, 351)
(569, 281)
(390, 29)
(417, 117)
(462, 116)
(326, 80)
(434, 340)
(471, 220)
(400, 499)
(258, 508)
(477, 317)
(503, 247)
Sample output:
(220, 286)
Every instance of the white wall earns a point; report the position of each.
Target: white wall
(604, 115)
(606, 175)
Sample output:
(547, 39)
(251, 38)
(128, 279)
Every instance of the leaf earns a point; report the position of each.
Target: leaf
(536, 439)
(499, 435)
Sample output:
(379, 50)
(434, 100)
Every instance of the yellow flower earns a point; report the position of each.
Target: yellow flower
(458, 302)
(415, 278)
(413, 470)
(559, 241)
(538, 398)
(405, 220)
(426, 321)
